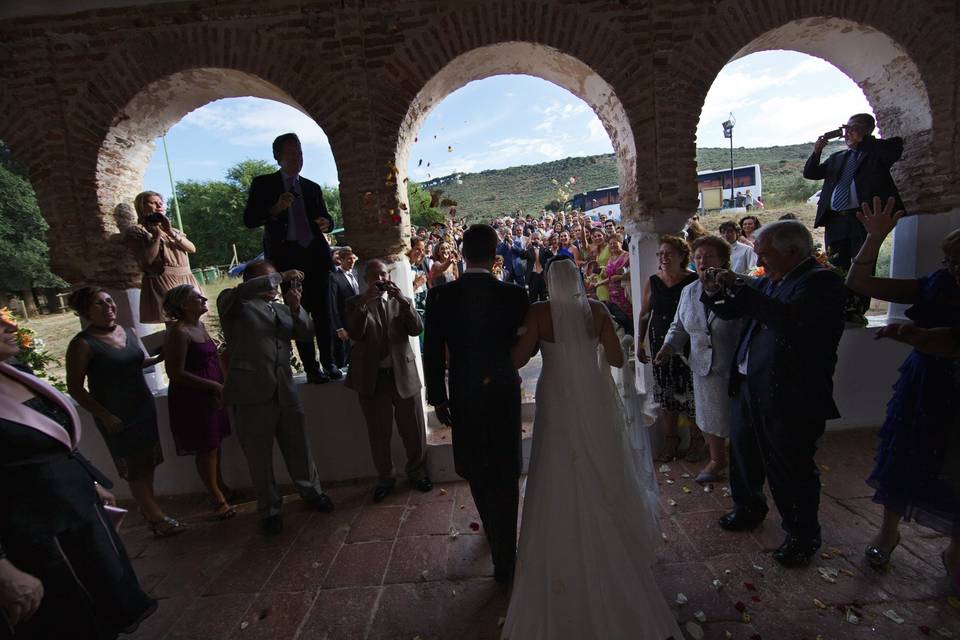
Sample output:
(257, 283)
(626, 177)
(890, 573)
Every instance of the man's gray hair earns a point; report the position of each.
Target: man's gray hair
(787, 234)
(369, 265)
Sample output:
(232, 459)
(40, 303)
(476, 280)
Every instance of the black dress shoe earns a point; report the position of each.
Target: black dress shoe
(334, 373)
(317, 377)
(742, 520)
(796, 552)
(423, 484)
(322, 503)
(381, 491)
(271, 525)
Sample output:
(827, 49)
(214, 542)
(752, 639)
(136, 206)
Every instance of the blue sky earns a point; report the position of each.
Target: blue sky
(777, 97)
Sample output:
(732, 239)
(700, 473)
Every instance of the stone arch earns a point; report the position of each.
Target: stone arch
(129, 143)
(869, 49)
(544, 62)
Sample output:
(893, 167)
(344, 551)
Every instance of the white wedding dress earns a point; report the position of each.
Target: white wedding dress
(589, 526)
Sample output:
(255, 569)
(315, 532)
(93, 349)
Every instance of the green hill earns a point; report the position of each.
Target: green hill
(487, 194)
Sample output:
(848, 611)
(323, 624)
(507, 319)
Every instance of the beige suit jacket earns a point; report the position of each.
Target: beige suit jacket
(258, 335)
(363, 326)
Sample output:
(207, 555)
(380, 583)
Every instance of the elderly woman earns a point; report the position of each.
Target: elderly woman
(111, 360)
(673, 381)
(713, 343)
(743, 259)
(198, 421)
(64, 572)
(915, 458)
(162, 253)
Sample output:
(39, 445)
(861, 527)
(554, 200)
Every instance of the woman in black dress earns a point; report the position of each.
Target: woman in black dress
(64, 572)
(673, 380)
(110, 359)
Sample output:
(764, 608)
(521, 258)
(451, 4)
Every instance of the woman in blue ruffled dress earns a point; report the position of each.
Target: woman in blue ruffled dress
(915, 467)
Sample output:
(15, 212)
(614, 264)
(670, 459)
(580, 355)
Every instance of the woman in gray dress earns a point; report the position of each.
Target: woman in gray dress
(110, 359)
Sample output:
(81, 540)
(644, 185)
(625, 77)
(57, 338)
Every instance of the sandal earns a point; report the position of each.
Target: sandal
(224, 510)
(667, 453)
(166, 527)
(878, 558)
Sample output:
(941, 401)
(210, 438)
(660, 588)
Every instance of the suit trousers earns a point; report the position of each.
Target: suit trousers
(537, 290)
(258, 425)
(496, 493)
(380, 410)
(316, 300)
(778, 449)
(341, 352)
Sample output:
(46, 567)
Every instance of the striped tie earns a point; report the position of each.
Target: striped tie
(841, 193)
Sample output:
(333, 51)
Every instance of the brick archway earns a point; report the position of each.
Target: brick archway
(869, 50)
(543, 62)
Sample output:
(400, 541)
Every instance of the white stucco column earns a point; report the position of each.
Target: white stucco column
(916, 249)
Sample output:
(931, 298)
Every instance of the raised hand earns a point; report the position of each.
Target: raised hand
(292, 274)
(879, 220)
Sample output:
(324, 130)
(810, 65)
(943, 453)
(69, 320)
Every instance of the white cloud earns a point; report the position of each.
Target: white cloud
(253, 122)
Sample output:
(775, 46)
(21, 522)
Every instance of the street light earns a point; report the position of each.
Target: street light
(728, 133)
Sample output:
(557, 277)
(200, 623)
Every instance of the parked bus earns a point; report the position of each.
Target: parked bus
(597, 201)
(715, 192)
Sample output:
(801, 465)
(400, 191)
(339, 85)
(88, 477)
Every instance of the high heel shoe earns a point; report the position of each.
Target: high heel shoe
(707, 477)
(166, 527)
(878, 558)
(668, 453)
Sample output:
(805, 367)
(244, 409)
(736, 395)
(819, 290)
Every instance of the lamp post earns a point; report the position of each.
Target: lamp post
(728, 133)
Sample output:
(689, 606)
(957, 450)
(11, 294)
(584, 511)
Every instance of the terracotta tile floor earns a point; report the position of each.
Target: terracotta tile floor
(395, 571)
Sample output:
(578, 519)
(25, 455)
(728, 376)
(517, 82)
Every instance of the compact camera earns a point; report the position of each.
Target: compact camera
(155, 218)
(382, 286)
(836, 133)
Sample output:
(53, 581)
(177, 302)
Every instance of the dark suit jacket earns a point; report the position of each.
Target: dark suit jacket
(531, 258)
(872, 178)
(264, 191)
(340, 292)
(475, 319)
(794, 348)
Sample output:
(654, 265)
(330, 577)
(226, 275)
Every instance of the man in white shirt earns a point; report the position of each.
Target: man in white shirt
(743, 259)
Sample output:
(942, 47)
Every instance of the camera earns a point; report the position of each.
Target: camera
(711, 275)
(155, 218)
(382, 286)
(836, 133)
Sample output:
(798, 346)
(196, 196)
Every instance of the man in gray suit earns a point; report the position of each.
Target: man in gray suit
(383, 371)
(259, 385)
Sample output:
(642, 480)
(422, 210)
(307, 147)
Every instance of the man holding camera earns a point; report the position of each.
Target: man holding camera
(383, 371)
(292, 210)
(851, 177)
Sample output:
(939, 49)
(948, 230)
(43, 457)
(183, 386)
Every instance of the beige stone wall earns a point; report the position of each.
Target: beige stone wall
(83, 95)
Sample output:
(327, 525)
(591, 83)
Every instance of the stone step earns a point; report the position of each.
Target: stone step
(440, 451)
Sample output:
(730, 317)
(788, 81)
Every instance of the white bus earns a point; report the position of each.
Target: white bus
(716, 192)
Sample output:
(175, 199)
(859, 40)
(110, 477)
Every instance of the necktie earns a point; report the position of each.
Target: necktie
(841, 200)
(384, 333)
(298, 213)
(744, 348)
(352, 281)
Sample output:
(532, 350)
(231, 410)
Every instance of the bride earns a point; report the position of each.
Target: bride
(589, 526)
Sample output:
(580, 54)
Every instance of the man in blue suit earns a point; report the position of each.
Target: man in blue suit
(782, 382)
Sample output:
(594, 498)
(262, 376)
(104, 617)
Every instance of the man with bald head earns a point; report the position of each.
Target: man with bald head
(383, 371)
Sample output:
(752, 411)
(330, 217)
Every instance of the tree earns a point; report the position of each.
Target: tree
(212, 213)
(421, 213)
(23, 243)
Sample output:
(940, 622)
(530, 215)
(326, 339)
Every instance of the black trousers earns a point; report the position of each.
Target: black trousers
(780, 450)
(341, 352)
(316, 300)
(497, 495)
(537, 287)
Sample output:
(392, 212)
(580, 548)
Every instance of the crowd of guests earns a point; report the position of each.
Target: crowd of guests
(739, 357)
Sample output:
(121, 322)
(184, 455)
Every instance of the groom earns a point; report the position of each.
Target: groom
(471, 324)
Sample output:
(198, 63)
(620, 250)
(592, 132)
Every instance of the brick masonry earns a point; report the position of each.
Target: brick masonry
(82, 95)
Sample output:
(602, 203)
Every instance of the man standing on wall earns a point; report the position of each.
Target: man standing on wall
(291, 208)
(850, 177)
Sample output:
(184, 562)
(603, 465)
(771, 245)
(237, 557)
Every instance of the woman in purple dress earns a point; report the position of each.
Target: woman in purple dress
(915, 471)
(198, 421)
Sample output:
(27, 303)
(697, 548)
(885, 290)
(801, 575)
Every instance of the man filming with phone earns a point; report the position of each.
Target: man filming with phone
(851, 177)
